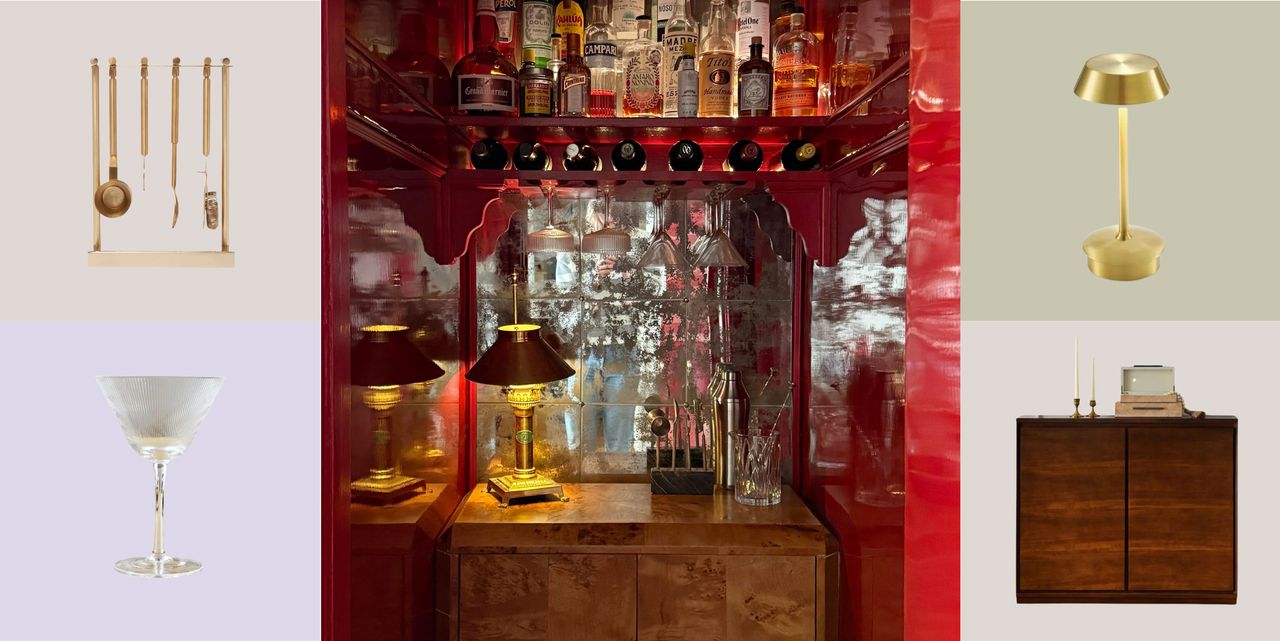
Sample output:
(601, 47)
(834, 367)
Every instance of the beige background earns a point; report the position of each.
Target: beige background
(1016, 368)
(45, 170)
(1040, 165)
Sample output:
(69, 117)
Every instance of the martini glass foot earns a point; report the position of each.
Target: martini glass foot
(157, 567)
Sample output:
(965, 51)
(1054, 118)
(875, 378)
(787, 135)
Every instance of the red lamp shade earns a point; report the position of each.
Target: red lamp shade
(385, 356)
(520, 356)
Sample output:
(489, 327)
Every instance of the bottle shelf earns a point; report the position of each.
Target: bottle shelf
(645, 177)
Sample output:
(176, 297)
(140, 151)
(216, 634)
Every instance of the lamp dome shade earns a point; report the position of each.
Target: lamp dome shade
(520, 356)
(1122, 79)
(386, 356)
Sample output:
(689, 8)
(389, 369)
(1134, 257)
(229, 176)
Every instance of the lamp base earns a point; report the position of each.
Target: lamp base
(508, 488)
(1131, 259)
(385, 491)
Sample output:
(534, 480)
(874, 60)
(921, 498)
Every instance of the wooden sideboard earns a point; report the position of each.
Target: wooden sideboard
(1126, 510)
(617, 563)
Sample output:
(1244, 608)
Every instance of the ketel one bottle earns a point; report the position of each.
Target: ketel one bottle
(628, 155)
(685, 155)
(744, 155)
(488, 154)
(581, 156)
(799, 155)
(531, 156)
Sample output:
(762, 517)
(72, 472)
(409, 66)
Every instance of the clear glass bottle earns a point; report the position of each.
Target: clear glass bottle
(716, 66)
(554, 65)
(755, 83)
(484, 80)
(852, 71)
(687, 85)
(781, 22)
(575, 79)
(601, 53)
(642, 73)
(624, 17)
(508, 14)
(537, 23)
(795, 71)
(753, 22)
(680, 31)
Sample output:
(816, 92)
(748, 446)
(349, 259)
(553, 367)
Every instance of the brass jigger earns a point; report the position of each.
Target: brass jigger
(1124, 251)
(112, 198)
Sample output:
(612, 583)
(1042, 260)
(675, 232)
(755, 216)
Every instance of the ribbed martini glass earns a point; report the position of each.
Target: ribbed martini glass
(160, 416)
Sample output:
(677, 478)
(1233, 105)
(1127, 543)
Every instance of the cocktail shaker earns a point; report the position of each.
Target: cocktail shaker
(731, 408)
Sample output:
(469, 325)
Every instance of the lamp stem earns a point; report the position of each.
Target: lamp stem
(1124, 173)
(524, 443)
(157, 544)
(515, 299)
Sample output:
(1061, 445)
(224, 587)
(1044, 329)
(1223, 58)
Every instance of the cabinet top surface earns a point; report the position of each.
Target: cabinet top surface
(1214, 420)
(628, 515)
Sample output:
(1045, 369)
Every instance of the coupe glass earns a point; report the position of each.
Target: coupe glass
(159, 415)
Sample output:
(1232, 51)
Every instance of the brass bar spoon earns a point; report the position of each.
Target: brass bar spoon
(173, 140)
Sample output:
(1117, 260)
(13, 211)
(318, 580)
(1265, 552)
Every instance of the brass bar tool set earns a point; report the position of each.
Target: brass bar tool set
(113, 198)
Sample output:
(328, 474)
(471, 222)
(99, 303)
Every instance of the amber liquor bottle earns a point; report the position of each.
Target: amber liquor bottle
(485, 80)
(575, 79)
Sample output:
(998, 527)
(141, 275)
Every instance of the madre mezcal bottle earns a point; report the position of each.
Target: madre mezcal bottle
(485, 81)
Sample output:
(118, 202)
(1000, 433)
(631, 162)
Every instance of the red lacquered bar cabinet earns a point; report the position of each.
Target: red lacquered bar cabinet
(581, 259)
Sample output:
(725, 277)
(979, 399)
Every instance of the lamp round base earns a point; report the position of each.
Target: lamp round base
(1134, 258)
(159, 568)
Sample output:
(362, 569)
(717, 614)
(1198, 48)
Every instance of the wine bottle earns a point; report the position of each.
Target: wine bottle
(531, 156)
(628, 155)
(581, 156)
(685, 155)
(488, 154)
(800, 155)
(744, 155)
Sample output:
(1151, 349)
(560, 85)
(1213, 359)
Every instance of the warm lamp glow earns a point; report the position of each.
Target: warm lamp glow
(524, 396)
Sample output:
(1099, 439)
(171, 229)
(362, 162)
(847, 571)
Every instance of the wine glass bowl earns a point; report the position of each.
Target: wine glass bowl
(159, 416)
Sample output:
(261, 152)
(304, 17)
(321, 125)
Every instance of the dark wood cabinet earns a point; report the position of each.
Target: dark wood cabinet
(1126, 510)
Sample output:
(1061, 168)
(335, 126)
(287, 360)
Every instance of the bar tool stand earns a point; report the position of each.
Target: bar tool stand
(683, 477)
(109, 205)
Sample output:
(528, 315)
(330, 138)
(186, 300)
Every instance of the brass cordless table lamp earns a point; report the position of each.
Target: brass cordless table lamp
(522, 363)
(383, 361)
(1124, 251)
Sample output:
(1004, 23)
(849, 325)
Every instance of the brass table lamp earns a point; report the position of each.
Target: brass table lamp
(1124, 251)
(381, 362)
(522, 363)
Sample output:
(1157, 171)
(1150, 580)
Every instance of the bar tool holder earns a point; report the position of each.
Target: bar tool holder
(215, 208)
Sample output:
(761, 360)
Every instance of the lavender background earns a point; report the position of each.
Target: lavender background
(243, 499)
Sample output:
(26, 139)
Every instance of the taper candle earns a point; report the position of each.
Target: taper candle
(1093, 379)
(1075, 372)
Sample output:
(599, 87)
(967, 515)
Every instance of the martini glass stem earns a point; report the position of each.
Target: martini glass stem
(1124, 173)
(157, 545)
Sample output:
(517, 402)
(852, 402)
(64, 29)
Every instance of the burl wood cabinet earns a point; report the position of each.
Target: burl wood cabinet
(617, 563)
(1127, 510)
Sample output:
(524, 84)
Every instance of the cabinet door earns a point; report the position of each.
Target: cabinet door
(1181, 509)
(540, 597)
(1071, 493)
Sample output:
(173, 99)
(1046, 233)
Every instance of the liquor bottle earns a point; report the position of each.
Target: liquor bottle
(642, 73)
(485, 81)
(680, 31)
(416, 64)
(799, 155)
(781, 22)
(537, 23)
(744, 155)
(569, 19)
(531, 156)
(508, 14)
(581, 156)
(755, 83)
(663, 10)
(795, 71)
(624, 17)
(715, 66)
(686, 85)
(536, 87)
(851, 72)
(575, 80)
(488, 154)
(601, 53)
(554, 65)
(703, 19)
(685, 155)
(374, 26)
(753, 22)
(628, 155)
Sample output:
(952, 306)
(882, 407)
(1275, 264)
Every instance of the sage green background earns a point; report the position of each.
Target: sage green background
(1040, 165)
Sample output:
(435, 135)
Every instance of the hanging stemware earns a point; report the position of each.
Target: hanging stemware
(606, 240)
(662, 252)
(550, 238)
(718, 250)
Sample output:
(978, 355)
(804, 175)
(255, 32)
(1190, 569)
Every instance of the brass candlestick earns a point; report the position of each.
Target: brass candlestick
(1092, 404)
(1076, 413)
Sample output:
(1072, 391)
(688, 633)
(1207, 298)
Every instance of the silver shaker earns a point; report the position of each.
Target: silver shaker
(731, 411)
